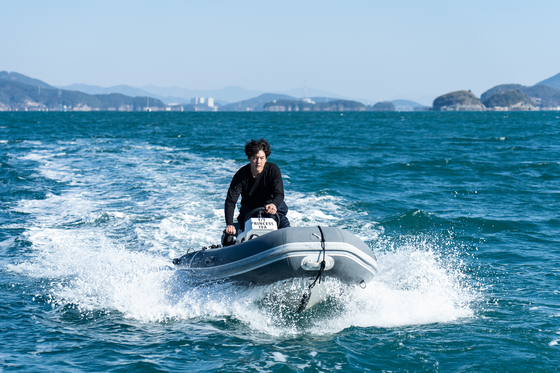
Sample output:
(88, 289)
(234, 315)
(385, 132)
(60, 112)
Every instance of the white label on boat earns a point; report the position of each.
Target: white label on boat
(263, 223)
(311, 263)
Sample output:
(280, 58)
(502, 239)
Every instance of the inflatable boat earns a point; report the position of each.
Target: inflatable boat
(262, 254)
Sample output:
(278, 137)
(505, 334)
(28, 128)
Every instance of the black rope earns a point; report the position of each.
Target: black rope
(323, 262)
(307, 294)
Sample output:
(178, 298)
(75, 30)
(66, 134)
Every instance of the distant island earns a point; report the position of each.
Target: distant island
(458, 101)
(543, 96)
(310, 105)
(21, 93)
(383, 106)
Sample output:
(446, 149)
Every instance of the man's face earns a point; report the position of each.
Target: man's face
(257, 162)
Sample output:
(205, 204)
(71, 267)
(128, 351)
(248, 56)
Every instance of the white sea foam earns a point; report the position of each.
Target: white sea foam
(415, 286)
(54, 210)
(92, 272)
(49, 166)
(310, 209)
(279, 357)
(35, 156)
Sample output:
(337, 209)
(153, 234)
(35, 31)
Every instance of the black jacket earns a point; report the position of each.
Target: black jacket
(255, 192)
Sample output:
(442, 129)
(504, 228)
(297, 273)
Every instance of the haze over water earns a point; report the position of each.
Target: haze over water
(461, 210)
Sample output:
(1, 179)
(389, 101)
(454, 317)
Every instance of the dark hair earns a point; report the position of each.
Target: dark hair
(254, 146)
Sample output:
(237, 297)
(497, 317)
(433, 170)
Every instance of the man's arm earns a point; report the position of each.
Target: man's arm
(234, 191)
(278, 187)
(231, 200)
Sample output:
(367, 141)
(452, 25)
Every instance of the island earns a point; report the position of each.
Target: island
(17, 96)
(458, 101)
(503, 97)
(309, 105)
(20, 93)
(512, 99)
(383, 106)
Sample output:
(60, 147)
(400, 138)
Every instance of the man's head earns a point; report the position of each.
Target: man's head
(254, 146)
(257, 151)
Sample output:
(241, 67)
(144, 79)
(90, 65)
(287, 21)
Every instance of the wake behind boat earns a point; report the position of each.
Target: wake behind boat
(264, 255)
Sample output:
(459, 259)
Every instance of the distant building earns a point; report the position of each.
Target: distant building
(203, 103)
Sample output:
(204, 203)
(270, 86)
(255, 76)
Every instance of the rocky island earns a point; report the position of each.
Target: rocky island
(458, 101)
(504, 97)
(512, 99)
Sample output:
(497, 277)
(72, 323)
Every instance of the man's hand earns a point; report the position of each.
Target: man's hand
(270, 209)
(230, 229)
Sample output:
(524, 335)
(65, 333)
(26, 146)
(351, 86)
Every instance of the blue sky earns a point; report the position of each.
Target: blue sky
(378, 50)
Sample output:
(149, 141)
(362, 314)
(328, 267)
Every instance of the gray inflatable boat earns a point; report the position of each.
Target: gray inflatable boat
(264, 255)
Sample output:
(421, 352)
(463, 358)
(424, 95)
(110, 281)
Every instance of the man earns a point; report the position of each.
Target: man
(260, 185)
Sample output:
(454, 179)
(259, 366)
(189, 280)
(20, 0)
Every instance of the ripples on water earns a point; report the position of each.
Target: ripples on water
(97, 205)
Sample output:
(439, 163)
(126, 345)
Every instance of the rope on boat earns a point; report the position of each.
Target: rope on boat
(307, 293)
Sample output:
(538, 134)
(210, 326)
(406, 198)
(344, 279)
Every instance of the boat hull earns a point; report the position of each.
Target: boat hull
(285, 254)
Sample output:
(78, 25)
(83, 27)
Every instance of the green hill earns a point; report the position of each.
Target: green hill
(383, 106)
(256, 103)
(299, 105)
(543, 95)
(508, 99)
(540, 95)
(553, 82)
(19, 96)
(406, 104)
(16, 77)
(500, 88)
(458, 101)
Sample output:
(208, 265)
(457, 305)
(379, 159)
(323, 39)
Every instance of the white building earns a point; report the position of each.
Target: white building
(203, 101)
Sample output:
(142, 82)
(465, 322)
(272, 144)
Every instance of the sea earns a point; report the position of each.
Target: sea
(462, 211)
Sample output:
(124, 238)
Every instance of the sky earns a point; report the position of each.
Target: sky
(374, 50)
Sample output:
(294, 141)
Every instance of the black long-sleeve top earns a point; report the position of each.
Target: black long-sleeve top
(255, 192)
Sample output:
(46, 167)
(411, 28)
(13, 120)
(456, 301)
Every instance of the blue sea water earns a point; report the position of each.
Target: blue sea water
(461, 210)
